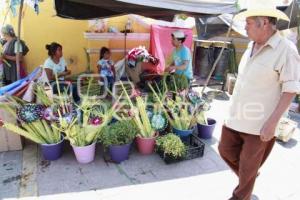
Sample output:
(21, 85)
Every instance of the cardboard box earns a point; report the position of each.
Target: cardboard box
(9, 141)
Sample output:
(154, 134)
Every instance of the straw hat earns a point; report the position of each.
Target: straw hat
(262, 8)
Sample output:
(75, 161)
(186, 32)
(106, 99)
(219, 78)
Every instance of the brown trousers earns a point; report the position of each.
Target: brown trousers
(245, 154)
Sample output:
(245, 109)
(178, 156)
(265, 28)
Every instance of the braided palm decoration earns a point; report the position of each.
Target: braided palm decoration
(194, 98)
(159, 122)
(30, 112)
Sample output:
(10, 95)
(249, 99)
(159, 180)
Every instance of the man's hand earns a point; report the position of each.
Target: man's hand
(2, 57)
(68, 72)
(268, 130)
(170, 69)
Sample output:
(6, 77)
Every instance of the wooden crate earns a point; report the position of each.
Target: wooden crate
(9, 141)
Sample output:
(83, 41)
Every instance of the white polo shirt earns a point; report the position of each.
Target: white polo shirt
(262, 78)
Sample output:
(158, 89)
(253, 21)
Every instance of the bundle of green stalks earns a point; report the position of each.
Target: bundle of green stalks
(81, 133)
(39, 131)
(179, 112)
(42, 96)
(91, 87)
(140, 116)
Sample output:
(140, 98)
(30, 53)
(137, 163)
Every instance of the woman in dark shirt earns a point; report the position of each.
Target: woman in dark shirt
(9, 54)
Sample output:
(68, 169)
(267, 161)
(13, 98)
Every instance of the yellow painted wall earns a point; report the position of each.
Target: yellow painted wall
(39, 30)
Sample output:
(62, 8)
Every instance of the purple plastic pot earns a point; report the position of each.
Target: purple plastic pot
(119, 153)
(52, 151)
(85, 154)
(206, 131)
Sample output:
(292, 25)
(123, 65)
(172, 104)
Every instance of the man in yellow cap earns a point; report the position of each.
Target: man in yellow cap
(268, 80)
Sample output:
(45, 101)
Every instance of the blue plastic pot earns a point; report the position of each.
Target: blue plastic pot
(183, 134)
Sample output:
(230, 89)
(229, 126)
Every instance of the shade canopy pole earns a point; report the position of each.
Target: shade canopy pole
(18, 39)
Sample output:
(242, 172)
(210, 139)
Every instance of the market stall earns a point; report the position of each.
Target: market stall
(169, 113)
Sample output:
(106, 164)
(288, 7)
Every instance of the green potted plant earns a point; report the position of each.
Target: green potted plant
(83, 138)
(43, 94)
(178, 83)
(33, 126)
(91, 87)
(83, 135)
(170, 148)
(146, 136)
(172, 83)
(43, 133)
(182, 116)
(180, 113)
(118, 137)
(205, 125)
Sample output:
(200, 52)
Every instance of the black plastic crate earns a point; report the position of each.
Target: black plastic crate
(195, 149)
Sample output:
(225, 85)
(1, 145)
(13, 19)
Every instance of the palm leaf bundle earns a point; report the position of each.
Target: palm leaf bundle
(38, 131)
(140, 115)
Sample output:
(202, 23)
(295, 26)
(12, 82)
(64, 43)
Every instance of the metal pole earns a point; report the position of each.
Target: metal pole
(125, 48)
(18, 39)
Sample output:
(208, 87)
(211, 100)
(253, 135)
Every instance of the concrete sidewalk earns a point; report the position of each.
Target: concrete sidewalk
(24, 174)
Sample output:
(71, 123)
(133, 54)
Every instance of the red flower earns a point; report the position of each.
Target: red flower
(96, 121)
